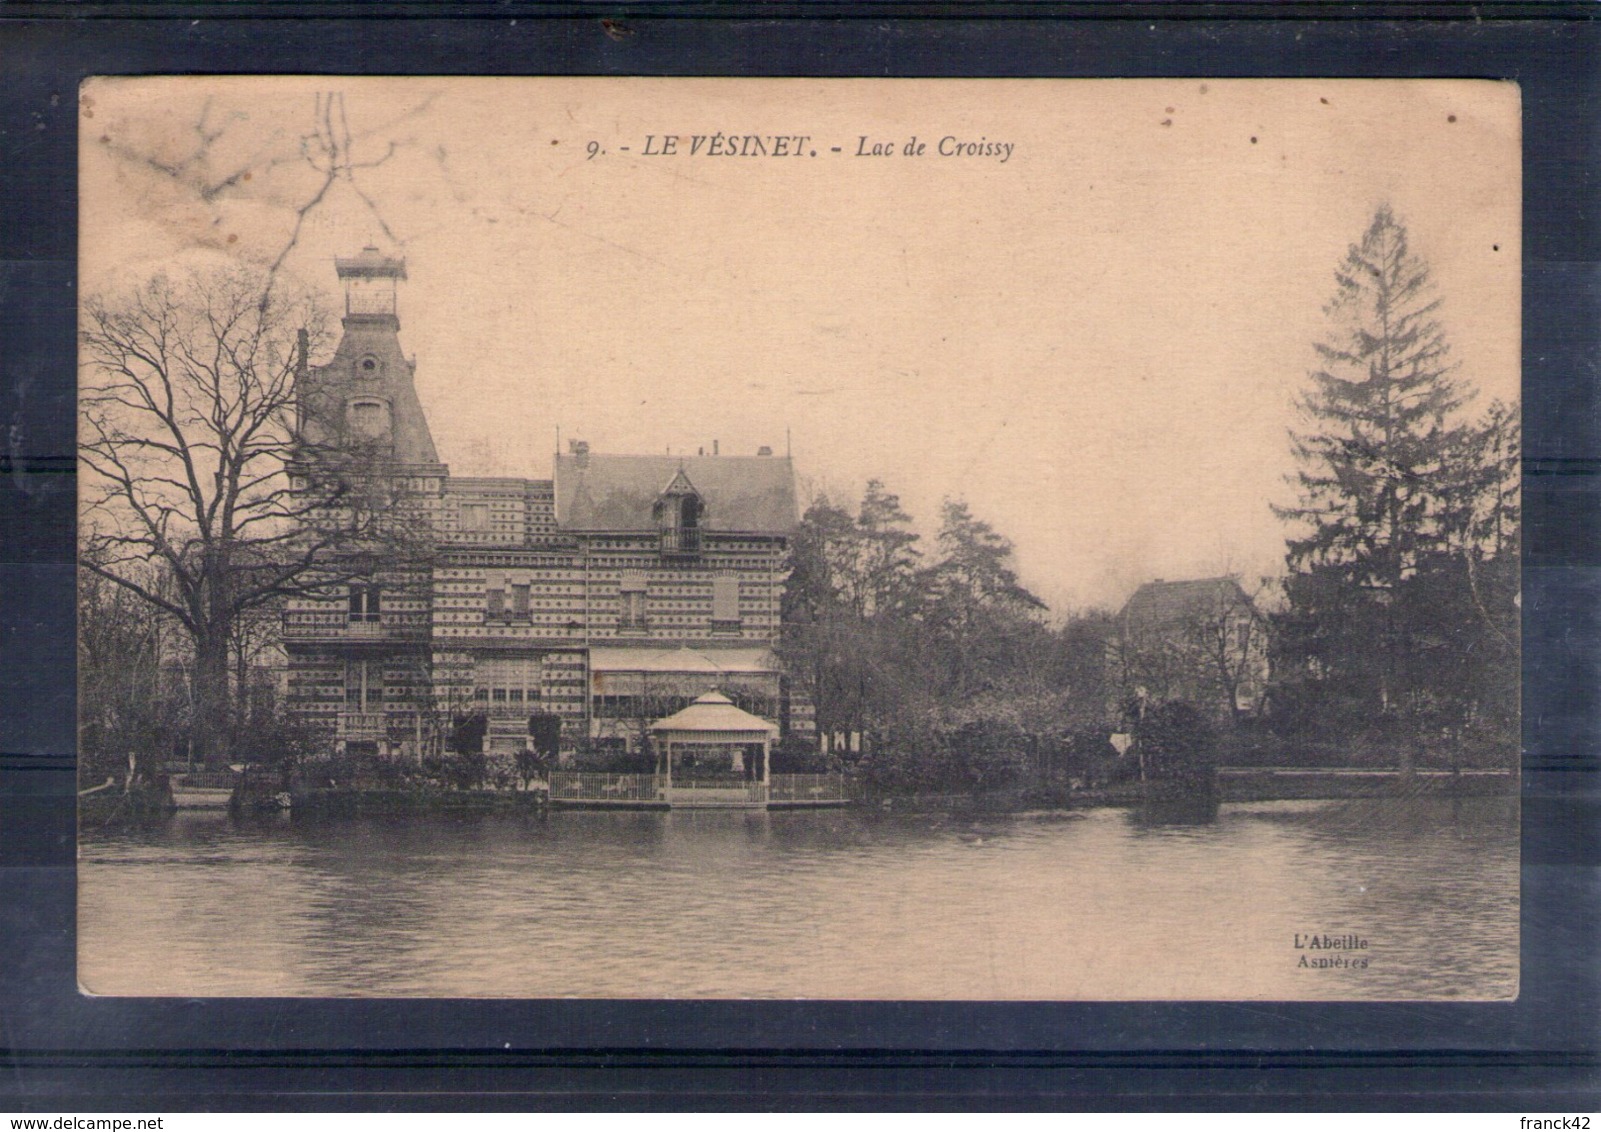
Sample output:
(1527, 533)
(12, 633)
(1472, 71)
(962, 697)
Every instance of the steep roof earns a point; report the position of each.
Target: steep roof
(1170, 603)
(714, 712)
(392, 380)
(752, 494)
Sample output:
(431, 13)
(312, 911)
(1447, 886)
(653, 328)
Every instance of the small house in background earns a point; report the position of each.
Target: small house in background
(1201, 641)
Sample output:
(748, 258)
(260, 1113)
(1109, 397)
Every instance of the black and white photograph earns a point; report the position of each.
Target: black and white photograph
(848, 539)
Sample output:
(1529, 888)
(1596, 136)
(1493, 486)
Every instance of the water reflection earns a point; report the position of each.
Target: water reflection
(855, 904)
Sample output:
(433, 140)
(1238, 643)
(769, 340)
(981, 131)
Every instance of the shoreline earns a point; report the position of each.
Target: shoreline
(1233, 785)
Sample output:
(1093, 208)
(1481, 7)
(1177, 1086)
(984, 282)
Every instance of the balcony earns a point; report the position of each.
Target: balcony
(680, 542)
(374, 725)
(297, 628)
(363, 725)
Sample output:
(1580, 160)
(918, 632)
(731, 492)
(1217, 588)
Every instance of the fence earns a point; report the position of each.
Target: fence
(579, 786)
(808, 788)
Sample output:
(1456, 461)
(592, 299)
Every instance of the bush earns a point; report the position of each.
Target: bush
(989, 754)
(979, 757)
(1086, 754)
(796, 754)
(1178, 744)
(594, 759)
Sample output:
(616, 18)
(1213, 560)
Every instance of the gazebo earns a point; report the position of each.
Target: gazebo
(712, 728)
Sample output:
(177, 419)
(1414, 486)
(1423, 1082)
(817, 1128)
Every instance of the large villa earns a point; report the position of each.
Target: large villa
(629, 605)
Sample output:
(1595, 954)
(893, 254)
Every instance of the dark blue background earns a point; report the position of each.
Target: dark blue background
(65, 1051)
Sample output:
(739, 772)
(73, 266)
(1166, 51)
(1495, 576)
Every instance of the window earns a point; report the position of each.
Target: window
(365, 604)
(631, 601)
(725, 602)
(631, 616)
(364, 686)
(507, 680)
(495, 603)
(369, 367)
(369, 420)
(519, 602)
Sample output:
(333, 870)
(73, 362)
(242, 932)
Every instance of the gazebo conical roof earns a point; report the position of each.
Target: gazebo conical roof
(715, 712)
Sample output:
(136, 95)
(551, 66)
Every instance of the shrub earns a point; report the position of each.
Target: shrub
(1177, 743)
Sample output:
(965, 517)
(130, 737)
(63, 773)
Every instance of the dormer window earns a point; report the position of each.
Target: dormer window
(369, 368)
(369, 420)
(678, 513)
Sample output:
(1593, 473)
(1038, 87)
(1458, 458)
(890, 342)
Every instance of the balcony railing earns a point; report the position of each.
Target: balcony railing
(366, 631)
(680, 540)
(363, 725)
(375, 724)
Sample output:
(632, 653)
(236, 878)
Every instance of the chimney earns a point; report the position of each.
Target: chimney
(302, 352)
(764, 450)
(714, 448)
(580, 451)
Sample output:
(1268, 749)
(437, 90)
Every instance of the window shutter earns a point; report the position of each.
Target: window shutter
(725, 599)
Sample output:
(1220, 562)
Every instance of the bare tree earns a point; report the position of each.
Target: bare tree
(188, 444)
(130, 710)
(1230, 643)
(1212, 652)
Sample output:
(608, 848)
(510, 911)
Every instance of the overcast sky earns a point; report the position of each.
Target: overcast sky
(1096, 341)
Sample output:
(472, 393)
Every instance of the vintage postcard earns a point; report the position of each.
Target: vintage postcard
(838, 539)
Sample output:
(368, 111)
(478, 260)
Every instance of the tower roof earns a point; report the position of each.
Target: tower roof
(371, 263)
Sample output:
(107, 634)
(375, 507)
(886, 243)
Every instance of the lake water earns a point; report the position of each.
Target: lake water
(1097, 904)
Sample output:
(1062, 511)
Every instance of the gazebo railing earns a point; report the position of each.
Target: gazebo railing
(584, 786)
(709, 793)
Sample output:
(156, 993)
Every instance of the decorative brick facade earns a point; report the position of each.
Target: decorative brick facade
(625, 584)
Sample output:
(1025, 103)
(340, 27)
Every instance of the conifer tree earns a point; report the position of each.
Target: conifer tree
(1376, 477)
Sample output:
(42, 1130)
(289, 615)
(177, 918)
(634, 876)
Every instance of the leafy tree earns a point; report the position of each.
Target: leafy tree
(849, 609)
